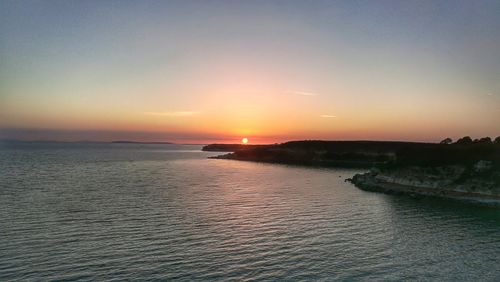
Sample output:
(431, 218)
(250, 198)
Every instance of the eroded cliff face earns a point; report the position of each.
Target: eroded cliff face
(420, 177)
(480, 180)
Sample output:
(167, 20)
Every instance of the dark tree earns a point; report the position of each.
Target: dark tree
(485, 140)
(464, 140)
(446, 141)
(497, 140)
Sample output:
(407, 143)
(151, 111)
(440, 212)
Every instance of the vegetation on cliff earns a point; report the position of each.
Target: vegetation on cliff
(366, 153)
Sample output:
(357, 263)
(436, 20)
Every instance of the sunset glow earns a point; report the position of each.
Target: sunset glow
(203, 71)
(262, 140)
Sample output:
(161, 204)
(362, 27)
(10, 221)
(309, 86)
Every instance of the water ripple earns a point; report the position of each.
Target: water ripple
(150, 213)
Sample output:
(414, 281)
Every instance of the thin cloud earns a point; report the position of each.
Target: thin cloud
(173, 114)
(328, 116)
(302, 93)
(493, 97)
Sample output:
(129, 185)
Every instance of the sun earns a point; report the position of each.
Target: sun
(244, 140)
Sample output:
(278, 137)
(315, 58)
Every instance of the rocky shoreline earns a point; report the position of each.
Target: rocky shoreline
(474, 189)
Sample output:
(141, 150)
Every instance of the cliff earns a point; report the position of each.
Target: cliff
(478, 183)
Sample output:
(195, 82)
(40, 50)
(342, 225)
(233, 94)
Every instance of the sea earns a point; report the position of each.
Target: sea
(154, 212)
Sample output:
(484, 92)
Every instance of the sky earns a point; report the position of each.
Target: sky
(217, 71)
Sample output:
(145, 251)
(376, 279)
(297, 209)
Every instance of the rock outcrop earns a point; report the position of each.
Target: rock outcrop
(480, 183)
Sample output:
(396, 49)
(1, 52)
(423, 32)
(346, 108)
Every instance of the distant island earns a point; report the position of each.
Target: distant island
(139, 142)
(465, 170)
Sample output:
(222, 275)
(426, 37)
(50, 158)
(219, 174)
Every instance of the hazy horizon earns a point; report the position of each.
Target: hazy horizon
(272, 71)
(34, 135)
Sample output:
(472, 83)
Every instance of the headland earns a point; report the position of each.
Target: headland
(465, 170)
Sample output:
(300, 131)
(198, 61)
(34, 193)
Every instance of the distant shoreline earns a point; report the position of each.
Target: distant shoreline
(140, 142)
(97, 142)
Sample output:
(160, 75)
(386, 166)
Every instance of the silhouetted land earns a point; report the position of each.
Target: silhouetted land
(138, 142)
(361, 153)
(465, 169)
(230, 147)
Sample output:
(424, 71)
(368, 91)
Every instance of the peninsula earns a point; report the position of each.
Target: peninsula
(465, 170)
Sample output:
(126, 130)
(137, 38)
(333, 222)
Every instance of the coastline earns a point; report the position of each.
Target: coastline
(368, 182)
(301, 162)
(468, 173)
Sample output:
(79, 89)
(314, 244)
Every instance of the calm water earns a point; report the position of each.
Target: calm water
(122, 212)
